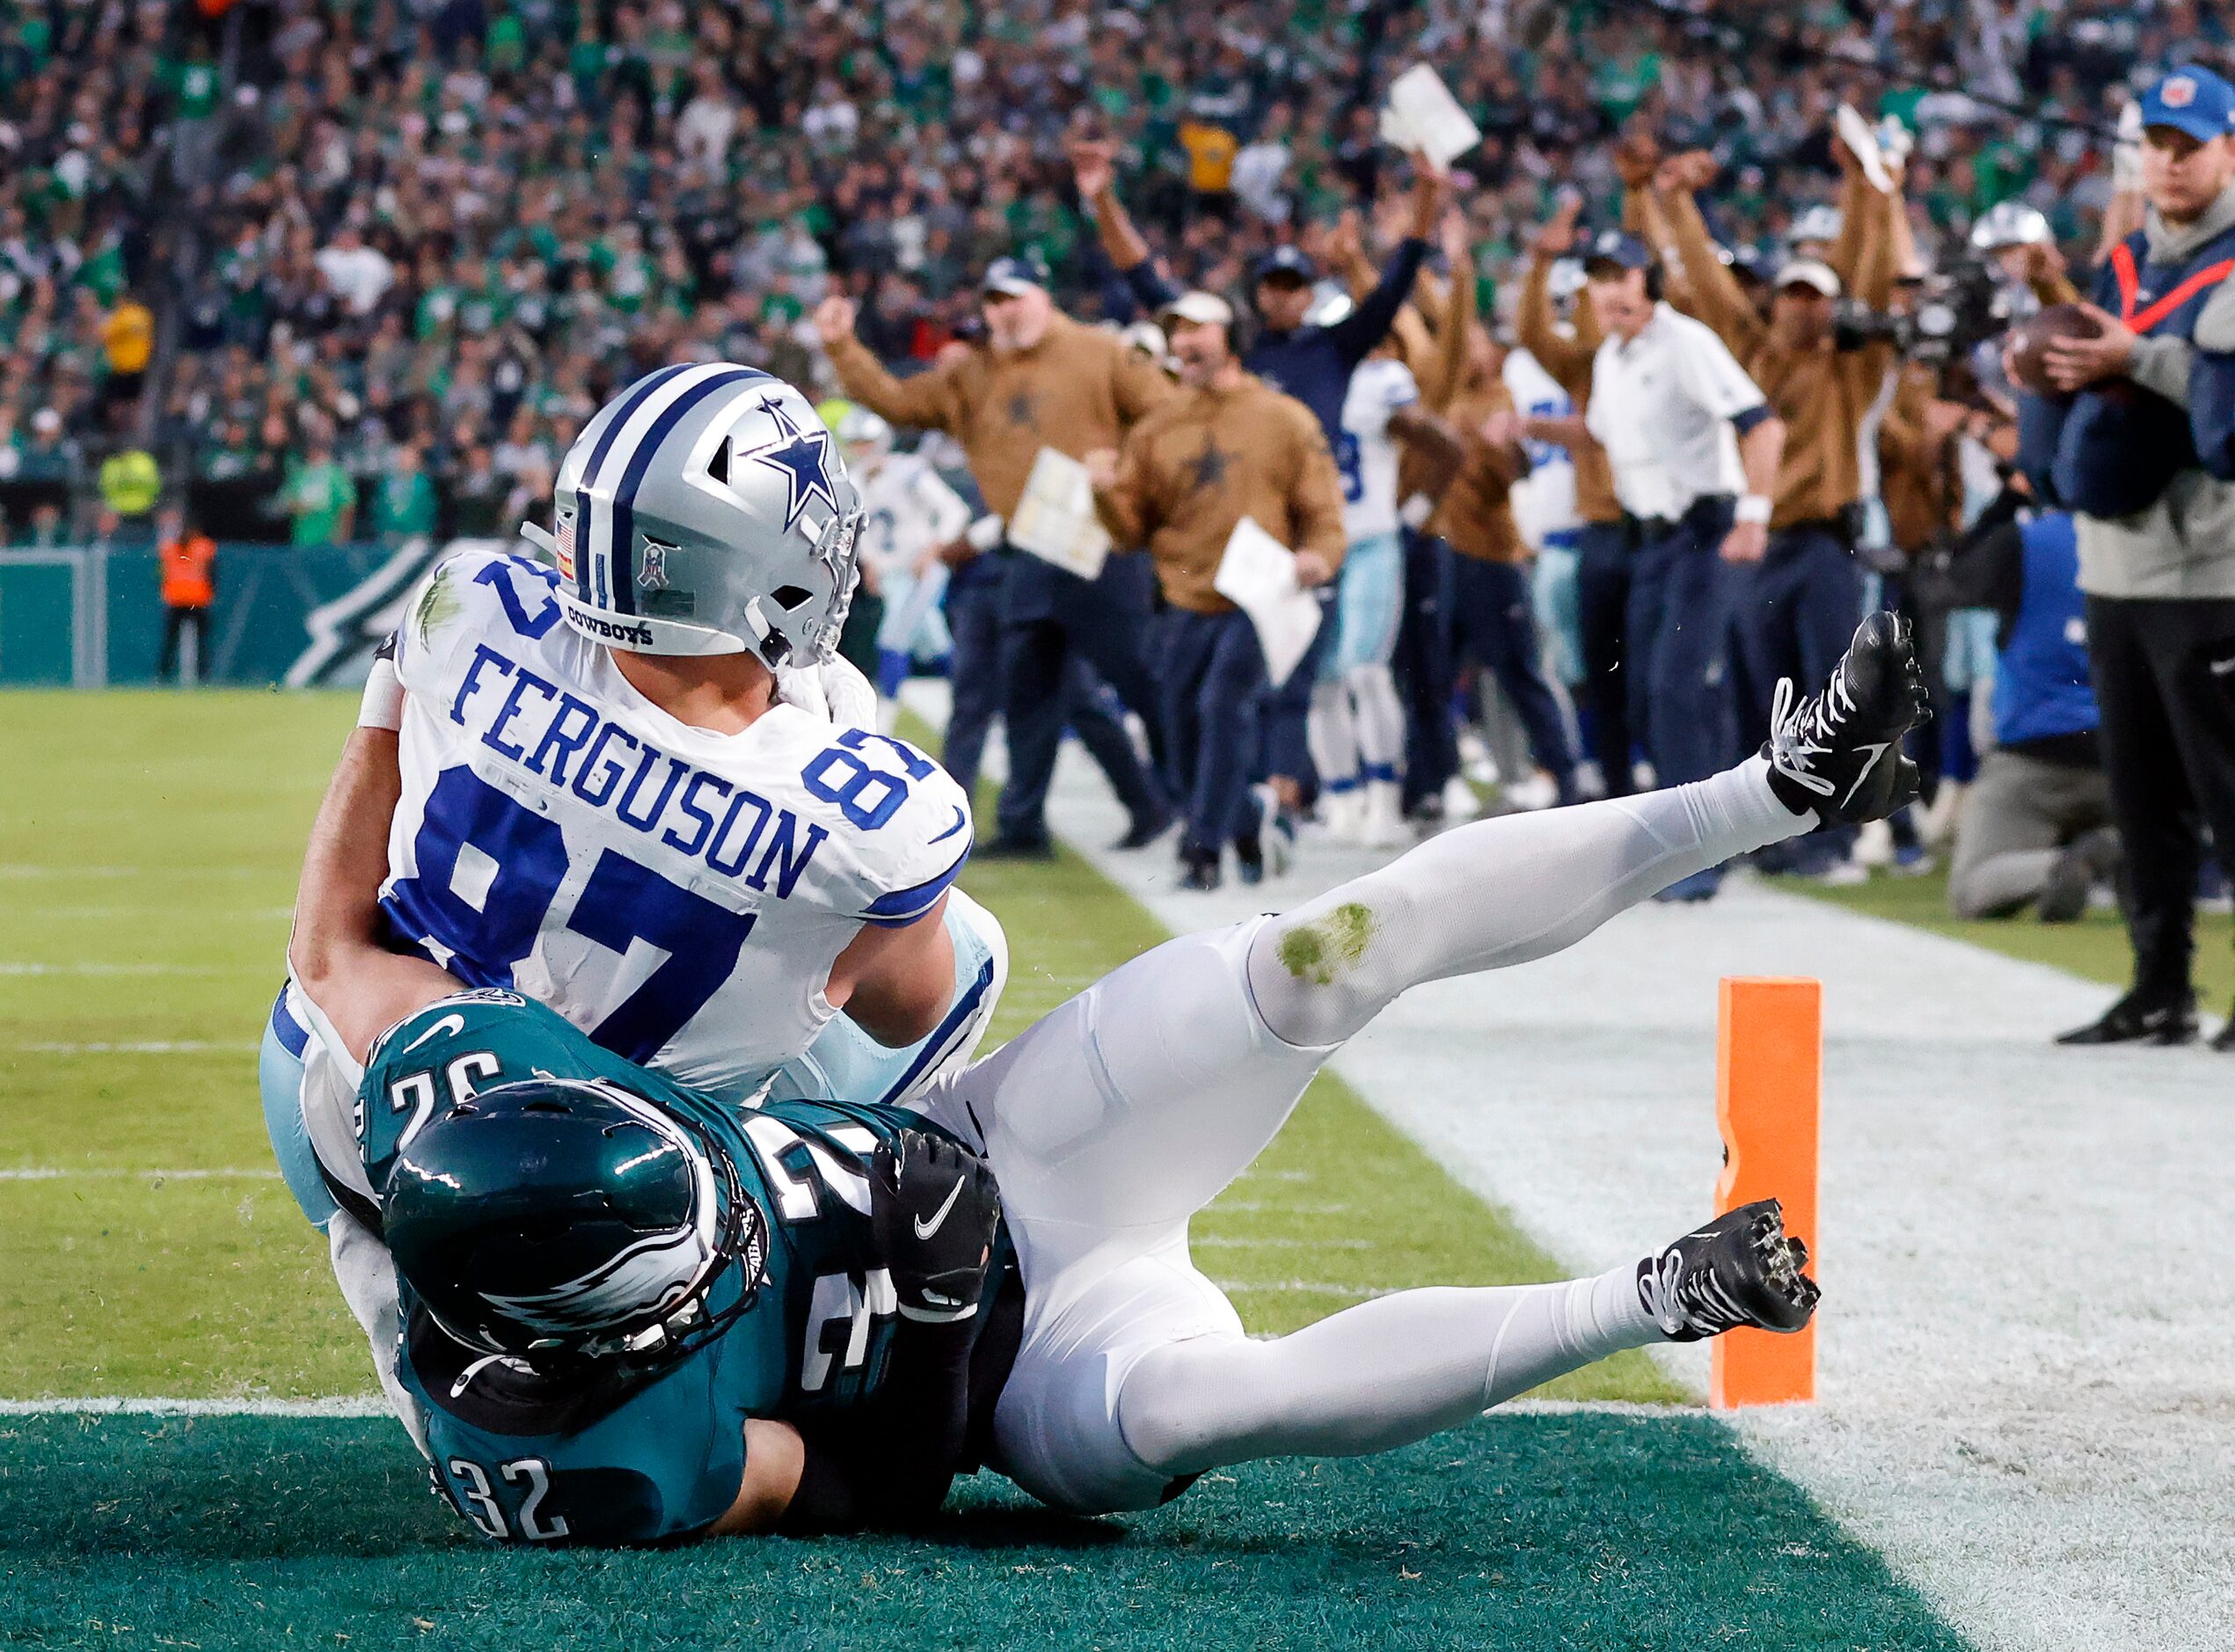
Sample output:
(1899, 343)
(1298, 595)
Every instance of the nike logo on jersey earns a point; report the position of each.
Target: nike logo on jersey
(453, 1024)
(961, 821)
(925, 1230)
(1876, 751)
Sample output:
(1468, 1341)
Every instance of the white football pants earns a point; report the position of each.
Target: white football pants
(1116, 1117)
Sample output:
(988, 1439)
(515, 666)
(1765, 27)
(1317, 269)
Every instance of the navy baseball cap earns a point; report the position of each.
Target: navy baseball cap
(1285, 261)
(2192, 100)
(1013, 275)
(1614, 247)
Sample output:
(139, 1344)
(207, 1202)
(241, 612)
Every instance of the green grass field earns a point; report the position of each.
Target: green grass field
(148, 849)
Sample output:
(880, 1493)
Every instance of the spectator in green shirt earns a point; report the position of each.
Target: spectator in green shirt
(319, 496)
(406, 504)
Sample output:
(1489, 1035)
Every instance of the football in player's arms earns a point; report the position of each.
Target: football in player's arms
(636, 1314)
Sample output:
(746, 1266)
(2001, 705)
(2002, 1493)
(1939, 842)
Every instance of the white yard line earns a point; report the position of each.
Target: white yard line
(159, 1047)
(348, 1406)
(375, 1406)
(63, 1173)
(13, 967)
(2027, 1353)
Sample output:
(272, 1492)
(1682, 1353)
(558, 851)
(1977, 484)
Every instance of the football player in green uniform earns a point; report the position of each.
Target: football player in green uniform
(633, 1313)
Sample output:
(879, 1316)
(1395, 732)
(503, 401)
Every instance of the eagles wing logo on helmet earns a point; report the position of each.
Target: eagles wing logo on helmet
(640, 1283)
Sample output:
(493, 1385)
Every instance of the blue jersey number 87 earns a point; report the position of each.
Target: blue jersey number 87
(519, 860)
(523, 857)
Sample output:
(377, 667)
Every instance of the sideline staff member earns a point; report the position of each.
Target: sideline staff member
(1044, 380)
(1229, 446)
(1603, 544)
(187, 557)
(1804, 598)
(2159, 570)
(1665, 395)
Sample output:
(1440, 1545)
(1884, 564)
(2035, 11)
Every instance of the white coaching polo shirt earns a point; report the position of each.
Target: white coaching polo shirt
(1664, 406)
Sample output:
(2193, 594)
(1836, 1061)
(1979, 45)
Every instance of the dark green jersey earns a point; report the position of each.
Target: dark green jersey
(663, 1457)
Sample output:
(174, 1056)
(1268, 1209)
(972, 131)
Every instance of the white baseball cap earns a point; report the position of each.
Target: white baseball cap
(1205, 309)
(1808, 272)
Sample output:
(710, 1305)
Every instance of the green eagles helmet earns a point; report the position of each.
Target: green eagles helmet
(555, 1218)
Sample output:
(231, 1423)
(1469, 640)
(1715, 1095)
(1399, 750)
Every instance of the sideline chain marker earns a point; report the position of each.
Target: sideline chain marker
(1769, 1090)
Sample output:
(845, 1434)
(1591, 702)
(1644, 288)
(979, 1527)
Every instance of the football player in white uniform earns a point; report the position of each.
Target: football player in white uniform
(907, 514)
(621, 792)
(1356, 727)
(1101, 1369)
(1544, 510)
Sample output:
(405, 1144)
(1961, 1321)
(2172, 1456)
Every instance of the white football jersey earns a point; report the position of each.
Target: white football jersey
(906, 508)
(1544, 500)
(678, 894)
(1366, 457)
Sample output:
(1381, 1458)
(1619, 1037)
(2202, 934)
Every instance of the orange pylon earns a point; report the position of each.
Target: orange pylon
(1769, 1088)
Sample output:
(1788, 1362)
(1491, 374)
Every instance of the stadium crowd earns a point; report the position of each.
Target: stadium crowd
(451, 227)
(324, 272)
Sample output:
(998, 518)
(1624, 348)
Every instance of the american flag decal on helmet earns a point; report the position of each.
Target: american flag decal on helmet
(564, 540)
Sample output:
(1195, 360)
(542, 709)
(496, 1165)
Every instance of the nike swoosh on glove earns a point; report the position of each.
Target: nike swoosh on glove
(933, 1206)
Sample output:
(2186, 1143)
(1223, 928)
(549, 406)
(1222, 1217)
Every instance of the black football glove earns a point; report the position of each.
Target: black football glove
(933, 1206)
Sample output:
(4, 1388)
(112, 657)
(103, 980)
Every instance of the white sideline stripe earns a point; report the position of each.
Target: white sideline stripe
(58, 1172)
(2026, 1361)
(347, 1406)
(375, 1406)
(176, 1047)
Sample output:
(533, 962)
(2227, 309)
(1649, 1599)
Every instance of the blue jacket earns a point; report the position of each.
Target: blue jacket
(2041, 688)
(1311, 363)
(2113, 448)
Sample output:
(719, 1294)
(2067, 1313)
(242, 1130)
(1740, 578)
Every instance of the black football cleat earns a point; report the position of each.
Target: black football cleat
(1145, 829)
(1199, 869)
(1838, 752)
(1741, 1268)
(2141, 1018)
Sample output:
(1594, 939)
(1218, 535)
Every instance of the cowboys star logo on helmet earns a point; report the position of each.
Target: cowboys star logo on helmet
(802, 456)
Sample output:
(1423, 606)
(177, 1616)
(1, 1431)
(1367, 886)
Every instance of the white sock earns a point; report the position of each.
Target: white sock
(1379, 719)
(1496, 893)
(1376, 1376)
(1332, 737)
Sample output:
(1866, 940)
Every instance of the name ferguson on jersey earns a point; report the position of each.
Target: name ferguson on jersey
(568, 744)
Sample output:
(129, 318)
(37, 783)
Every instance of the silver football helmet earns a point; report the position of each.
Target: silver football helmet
(2010, 223)
(863, 435)
(705, 509)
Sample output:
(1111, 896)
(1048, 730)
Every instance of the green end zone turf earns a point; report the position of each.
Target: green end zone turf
(1584, 1530)
(145, 884)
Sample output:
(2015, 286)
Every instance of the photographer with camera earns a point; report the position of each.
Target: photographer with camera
(2108, 431)
(1798, 603)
